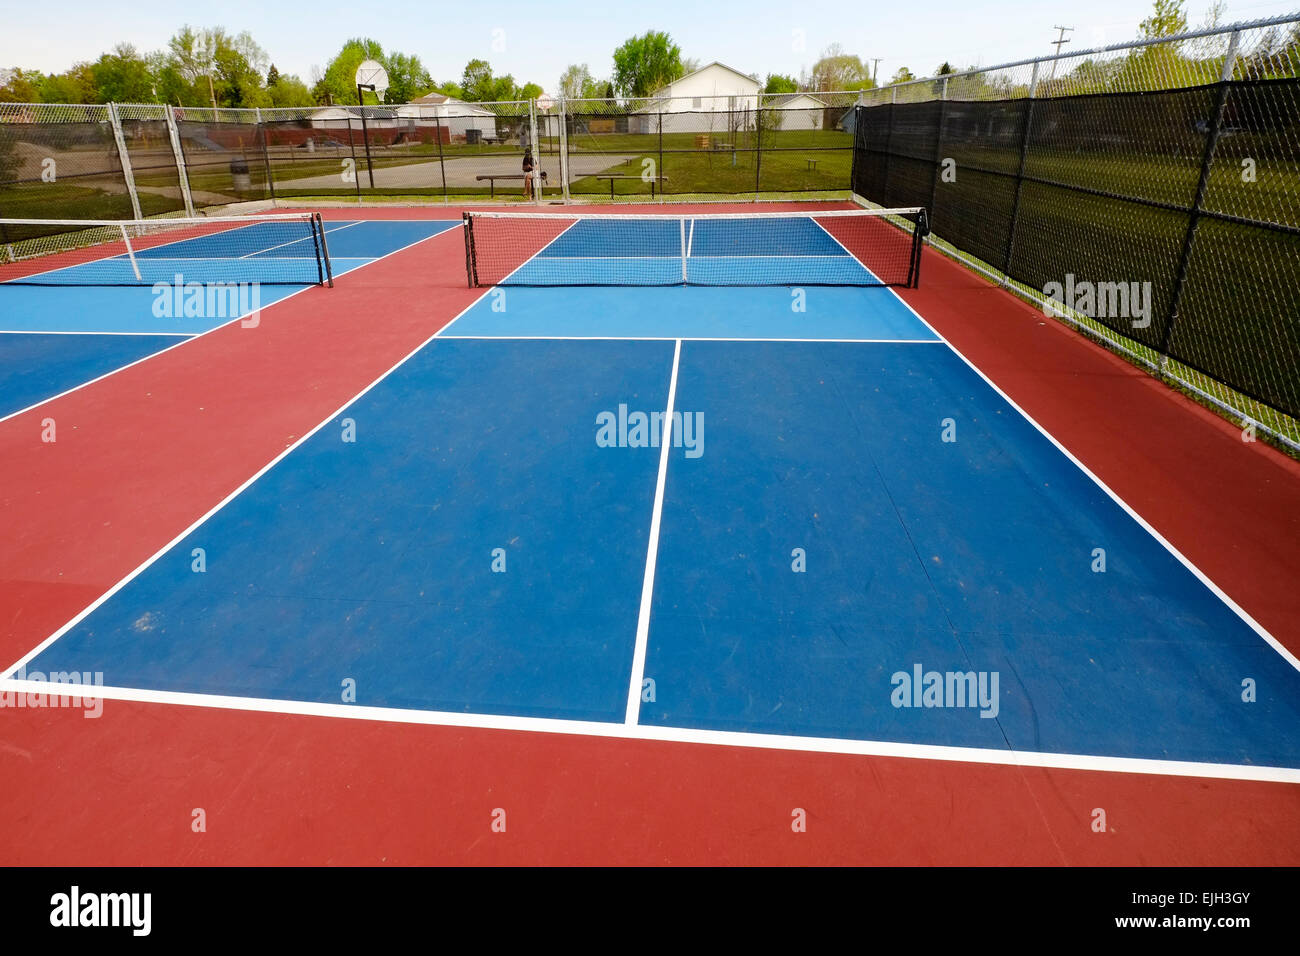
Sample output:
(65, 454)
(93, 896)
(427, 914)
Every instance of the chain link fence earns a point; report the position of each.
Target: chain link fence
(1147, 193)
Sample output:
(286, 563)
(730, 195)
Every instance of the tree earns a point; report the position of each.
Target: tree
(837, 70)
(944, 69)
(902, 76)
(76, 85)
(338, 83)
(123, 77)
(644, 64)
(576, 83)
(1168, 17)
(21, 86)
(272, 76)
(476, 81)
(777, 83)
(289, 91)
(407, 77)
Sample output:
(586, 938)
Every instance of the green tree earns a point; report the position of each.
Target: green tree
(838, 70)
(902, 76)
(22, 86)
(75, 85)
(576, 83)
(777, 83)
(476, 82)
(272, 76)
(407, 77)
(1168, 17)
(646, 63)
(288, 90)
(339, 81)
(123, 77)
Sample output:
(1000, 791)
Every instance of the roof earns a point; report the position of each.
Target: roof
(786, 99)
(708, 66)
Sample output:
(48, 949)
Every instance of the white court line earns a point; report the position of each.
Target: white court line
(622, 731)
(682, 338)
(198, 335)
(91, 332)
(346, 225)
(652, 551)
(1132, 513)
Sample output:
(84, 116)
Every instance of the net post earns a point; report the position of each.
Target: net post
(183, 174)
(130, 253)
(125, 157)
(471, 276)
(323, 249)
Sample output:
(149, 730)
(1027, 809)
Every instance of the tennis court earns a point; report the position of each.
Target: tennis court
(669, 478)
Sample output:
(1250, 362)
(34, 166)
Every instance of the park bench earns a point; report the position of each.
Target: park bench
(493, 177)
(612, 176)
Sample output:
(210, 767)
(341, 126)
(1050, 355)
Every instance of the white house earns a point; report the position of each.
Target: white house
(797, 111)
(438, 109)
(712, 99)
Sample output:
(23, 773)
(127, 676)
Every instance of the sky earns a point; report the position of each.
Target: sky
(535, 40)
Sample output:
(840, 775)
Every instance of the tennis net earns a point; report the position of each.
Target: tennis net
(851, 247)
(280, 249)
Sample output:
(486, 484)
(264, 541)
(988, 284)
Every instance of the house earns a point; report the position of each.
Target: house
(712, 99)
(465, 122)
(797, 111)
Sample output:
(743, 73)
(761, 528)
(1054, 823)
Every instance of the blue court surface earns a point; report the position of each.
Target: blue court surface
(672, 250)
(481, 547)
(53, 338)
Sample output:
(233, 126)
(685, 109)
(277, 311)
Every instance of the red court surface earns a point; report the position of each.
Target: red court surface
(146, 452)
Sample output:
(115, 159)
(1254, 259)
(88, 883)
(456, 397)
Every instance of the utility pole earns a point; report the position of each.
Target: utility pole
(1059, 42)
(875, 70)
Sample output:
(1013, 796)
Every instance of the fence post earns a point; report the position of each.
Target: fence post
(127, 174)
(173, 131)
(564, 147)
(352, 146)
(537, 149)
(659, 170)
(437, 135)
(1020, 176)
(938, 148)
(1198, 202)
(266, 155)
(758, 145)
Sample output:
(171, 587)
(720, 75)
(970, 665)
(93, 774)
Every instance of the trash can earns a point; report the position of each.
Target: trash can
(239, 177)
(473, 136)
